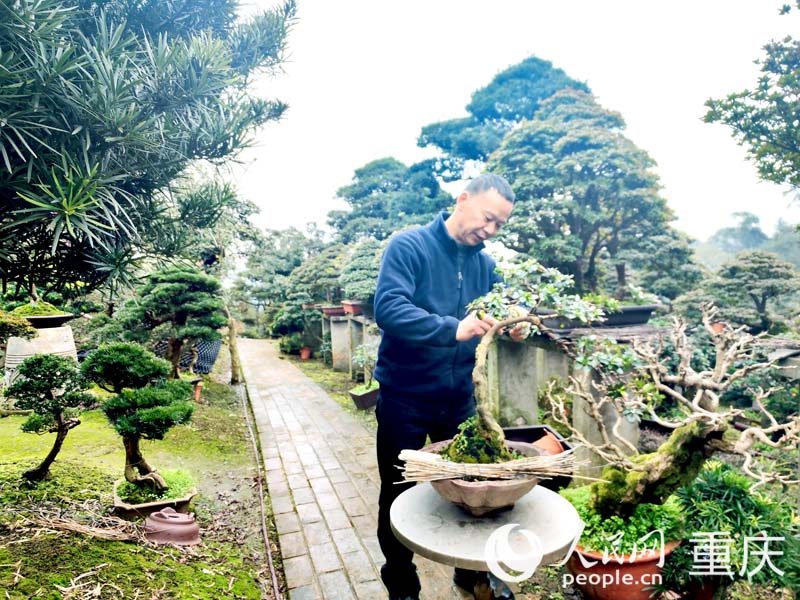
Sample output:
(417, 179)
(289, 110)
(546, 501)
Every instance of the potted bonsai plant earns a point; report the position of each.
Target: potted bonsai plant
(52, 387)
(359, 277)
(366, 395)
(145, 406)
(43, 315)
(527, 285)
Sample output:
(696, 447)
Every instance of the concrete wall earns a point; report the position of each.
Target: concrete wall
(340, 342)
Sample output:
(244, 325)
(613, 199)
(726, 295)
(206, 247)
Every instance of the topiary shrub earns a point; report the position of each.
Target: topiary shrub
(148, 413)
(121, 365)
(52, 387)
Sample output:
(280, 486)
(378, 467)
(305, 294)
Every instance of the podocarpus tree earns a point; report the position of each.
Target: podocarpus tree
(148, 413)
(683, 399)
(180, 305)
(513, 95)
(104, 105)
(53, 388)
(121, 365)
(584, 191)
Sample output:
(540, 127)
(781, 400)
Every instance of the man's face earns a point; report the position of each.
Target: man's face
(480, 216)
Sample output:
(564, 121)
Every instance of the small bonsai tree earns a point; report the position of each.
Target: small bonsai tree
(14, 325)
(148, 413)
(359, 277)
(121, 365)
(364, 358)
(180, 305)
(53, 388)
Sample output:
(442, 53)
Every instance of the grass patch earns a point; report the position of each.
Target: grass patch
(179, 484)
(214, 448)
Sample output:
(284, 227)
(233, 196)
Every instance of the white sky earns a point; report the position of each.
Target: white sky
(364, 76)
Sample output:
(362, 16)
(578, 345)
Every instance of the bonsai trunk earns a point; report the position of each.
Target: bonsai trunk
(137, 471)
(174, 347)
(659, 474)
(233, 347)
(61, 430)
(622, 281)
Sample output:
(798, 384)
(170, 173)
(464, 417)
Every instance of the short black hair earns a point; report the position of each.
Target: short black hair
(490, 181)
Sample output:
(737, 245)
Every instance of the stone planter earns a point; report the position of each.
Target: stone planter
(137, 511)
(480, 498)
(628, 577)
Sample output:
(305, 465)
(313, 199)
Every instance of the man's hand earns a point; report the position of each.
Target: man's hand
(471, 326)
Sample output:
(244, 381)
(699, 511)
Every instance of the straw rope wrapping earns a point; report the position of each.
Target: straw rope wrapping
(428, 466)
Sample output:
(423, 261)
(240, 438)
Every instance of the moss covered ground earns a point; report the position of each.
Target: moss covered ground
(40, 562)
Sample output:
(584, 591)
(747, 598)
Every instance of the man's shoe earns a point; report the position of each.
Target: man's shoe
(484, 586)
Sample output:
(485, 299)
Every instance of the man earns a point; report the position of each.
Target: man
(428, 275)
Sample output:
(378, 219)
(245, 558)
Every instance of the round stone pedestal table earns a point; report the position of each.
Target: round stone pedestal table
(439, 530)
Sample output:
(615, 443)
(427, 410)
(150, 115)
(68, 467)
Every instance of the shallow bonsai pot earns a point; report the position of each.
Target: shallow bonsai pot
(333, 311)
(480, 498)
(625, 316)
(136, 511)
(351, 307)
(48, 321)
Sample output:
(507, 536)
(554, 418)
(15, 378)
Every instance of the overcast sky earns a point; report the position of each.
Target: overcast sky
(364, 76)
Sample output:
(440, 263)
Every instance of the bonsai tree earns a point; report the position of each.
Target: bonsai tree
(685, 399)
(52, 387)
(359, 276)
(180, 305)
(514, 303)
(148, 413)
(364, 358)
(121, 365)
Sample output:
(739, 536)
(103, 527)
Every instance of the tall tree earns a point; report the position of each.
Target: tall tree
(764, 118)
(104, 105)
(585, 193)
(384, 196)
(513, 95)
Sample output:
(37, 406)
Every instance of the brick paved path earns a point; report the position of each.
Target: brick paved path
(323, 481)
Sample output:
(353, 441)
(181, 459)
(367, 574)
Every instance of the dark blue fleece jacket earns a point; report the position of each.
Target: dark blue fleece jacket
(421, 296)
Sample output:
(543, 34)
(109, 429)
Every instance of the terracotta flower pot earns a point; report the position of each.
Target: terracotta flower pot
(628, 577)
(549, 443)
(351, 307)
(480, 498)
(305, 353)
(333, 311)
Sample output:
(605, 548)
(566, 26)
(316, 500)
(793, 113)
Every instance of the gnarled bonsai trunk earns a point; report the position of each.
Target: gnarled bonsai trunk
(174, 347)
(61, 430)
(137, 471)
(659, 474)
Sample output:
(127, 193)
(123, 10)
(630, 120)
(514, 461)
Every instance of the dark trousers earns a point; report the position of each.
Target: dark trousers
(404, 422)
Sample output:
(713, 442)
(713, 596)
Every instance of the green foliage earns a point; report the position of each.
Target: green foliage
(359, 277)
(49, 385)
(513, 95)
(722, 500)
(664, 263)
(318, 276)
(179, 483)
(123, 365)
(475, 444)
(291, 344)
(149, 412)
(105, 107)
(625, 536)
(326, 349)
(593, 352)
(364, 357)
(37, 309)
(386, 196)
(584, 192)
(529, 284)
(13, 325)
(764, 118)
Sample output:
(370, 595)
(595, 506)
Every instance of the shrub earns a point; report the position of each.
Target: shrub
(124, 365)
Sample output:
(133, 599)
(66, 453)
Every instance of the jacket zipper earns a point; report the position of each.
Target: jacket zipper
(458, 315)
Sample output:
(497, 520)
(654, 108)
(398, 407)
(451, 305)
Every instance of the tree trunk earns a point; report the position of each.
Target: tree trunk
(110, 308)
(174, 347)
(622, 281)
(233, 347)
(137, 471)
(675, 464)
(43, 469)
